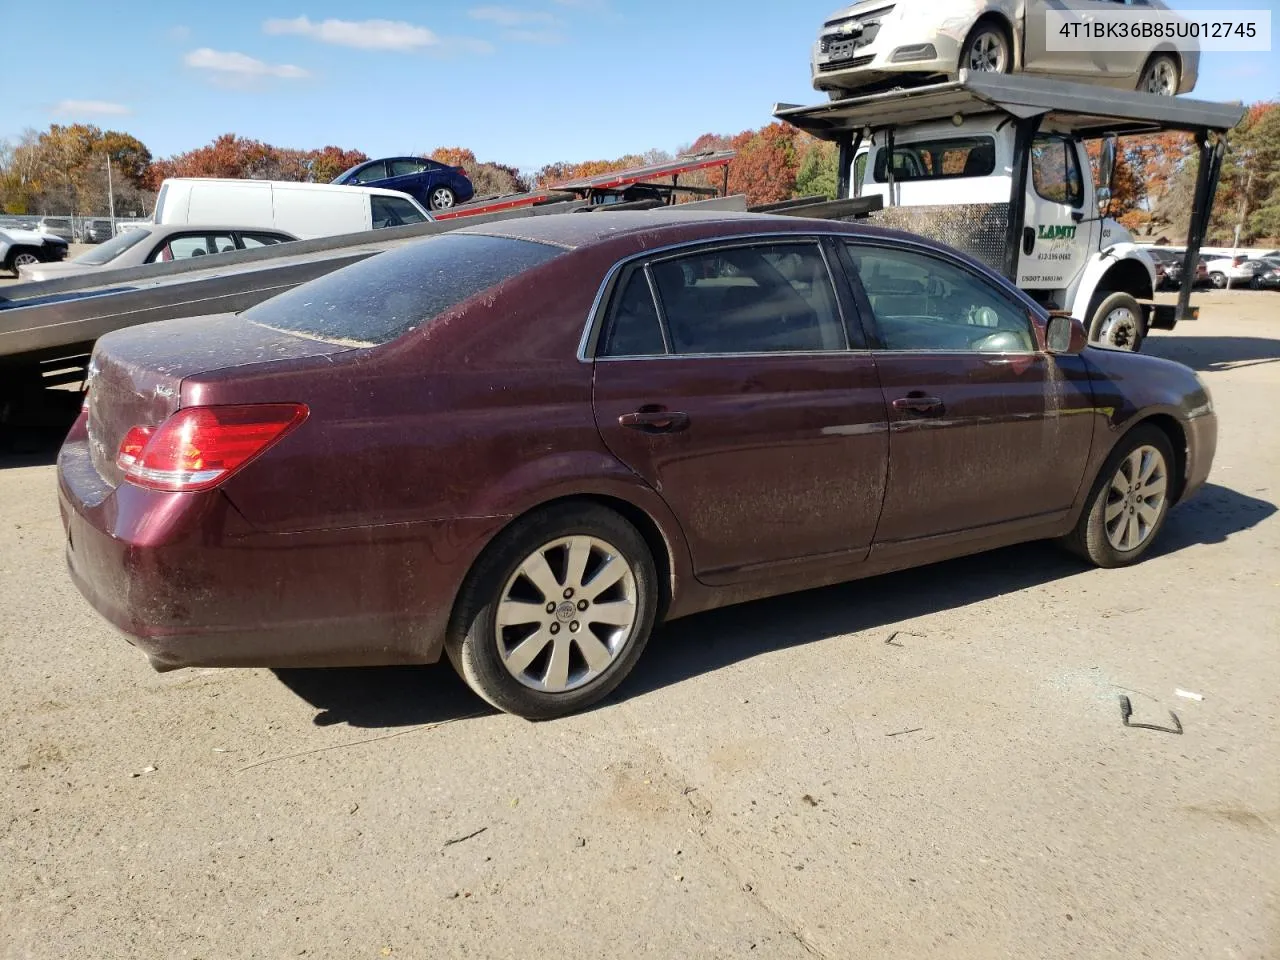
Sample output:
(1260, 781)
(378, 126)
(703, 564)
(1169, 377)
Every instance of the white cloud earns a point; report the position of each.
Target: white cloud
(84, 108)
(511, 17)
(229, 63)
(178, 32)
(363, 34)
(547, 37)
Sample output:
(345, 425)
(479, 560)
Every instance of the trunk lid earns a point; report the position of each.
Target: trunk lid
(136, 374)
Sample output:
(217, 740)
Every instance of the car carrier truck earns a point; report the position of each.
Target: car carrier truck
(996, 165)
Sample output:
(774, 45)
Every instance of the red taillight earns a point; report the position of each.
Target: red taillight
(462, 172)
(199, 447)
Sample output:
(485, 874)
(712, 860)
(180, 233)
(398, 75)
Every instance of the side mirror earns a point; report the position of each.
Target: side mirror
(1065, 335)
(1106, 173)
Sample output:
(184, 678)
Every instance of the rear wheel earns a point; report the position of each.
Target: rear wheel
(442, 198)
(1119, 323)
(1129, 501)
(1161, 76)
(556, 612)
(988, 49)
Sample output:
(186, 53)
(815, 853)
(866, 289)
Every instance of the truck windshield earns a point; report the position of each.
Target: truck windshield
(939, 159)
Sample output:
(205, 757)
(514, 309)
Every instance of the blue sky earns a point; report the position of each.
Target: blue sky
(523, 82)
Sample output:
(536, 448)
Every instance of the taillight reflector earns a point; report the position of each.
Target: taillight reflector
(199, 447)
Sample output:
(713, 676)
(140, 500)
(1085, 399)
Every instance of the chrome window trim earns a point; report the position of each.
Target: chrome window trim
(595, 315)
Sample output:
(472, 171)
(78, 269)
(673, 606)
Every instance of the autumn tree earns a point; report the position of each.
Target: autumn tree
(488, 179)
(819, 169)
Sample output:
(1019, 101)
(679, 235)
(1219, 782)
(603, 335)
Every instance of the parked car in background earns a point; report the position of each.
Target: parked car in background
(875, 44)
(1233, 271)
(525, 442)
(60, 227)
(304, 210)
(435, 185)
(96, 230)
(1269, 277)
(21, 248)
(1169, 268)
(157, 243)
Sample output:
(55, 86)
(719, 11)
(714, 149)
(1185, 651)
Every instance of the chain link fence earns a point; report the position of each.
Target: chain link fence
(74, 229)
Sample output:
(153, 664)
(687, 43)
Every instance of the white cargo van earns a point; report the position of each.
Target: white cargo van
(303, 209)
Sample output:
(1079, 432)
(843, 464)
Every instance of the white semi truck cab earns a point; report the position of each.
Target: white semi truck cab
(997, 166)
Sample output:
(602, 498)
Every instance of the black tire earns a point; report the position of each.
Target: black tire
(1120, 335)
(1219, 280)
(473, 643)
(442, 198)
(20, 257)
(999, 49)
(1089, 539)
(1161, 76)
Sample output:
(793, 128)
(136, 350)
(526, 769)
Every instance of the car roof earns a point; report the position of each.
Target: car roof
(573, 230)
(164, 229)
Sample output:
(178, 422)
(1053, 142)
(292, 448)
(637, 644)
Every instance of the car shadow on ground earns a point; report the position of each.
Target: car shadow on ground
(405, 696)
(35, 443)
(1212, 354)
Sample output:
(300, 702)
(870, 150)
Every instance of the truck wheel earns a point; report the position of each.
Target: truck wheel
(1161, 76)
(1129, 501)
(988, 49)
(1119, 323)
(556, 612)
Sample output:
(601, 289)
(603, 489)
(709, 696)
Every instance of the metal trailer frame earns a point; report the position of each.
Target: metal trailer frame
(1085, 111)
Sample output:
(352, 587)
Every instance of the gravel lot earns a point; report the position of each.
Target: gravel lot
(777, 780)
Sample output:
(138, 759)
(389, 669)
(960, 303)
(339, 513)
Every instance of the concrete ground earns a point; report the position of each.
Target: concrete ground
(925, 764)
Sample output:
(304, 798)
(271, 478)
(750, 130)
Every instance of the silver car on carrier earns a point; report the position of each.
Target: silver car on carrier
(881, 44)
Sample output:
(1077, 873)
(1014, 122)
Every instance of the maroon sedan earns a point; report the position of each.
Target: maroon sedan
(524, 443)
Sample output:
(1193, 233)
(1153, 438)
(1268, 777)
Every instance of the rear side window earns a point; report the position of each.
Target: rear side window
(634, 328)
(939, 159)
(393, 212)
(390, 294)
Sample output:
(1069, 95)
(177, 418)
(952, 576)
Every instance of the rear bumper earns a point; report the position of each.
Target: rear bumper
(189, 583)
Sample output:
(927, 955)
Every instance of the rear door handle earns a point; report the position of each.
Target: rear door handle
(919, 404)
(655, 419)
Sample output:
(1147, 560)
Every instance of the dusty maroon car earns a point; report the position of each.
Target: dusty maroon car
(524, 443)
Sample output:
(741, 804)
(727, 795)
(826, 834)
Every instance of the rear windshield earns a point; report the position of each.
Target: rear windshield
(106, 252)
(382, 298)
(939, 159)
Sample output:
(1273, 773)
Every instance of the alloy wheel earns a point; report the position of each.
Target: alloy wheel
(25, 259)
(1137, 498)
(441, 199)
(566, 614)
(1162, 79)
(989, 53)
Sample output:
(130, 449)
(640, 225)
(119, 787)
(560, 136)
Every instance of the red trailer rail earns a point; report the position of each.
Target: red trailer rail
(612, 185)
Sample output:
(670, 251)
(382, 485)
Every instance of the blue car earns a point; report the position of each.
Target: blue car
(436, 186)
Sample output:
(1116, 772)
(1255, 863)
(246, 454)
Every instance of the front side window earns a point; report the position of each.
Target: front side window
(186, 246)
(938, 159)
(375, 171)
(922, 302)
(1055, 172)
(767, 298)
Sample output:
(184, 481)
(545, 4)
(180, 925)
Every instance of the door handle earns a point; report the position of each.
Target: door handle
(918, 404)
(655, 419)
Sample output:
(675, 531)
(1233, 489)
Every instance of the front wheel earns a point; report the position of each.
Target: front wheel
(1119, 323)
(556, 612)
(1219, 280)
(22, 258)
(1129, 501)
(442, 198)
(988, 49)
(1161, 76)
